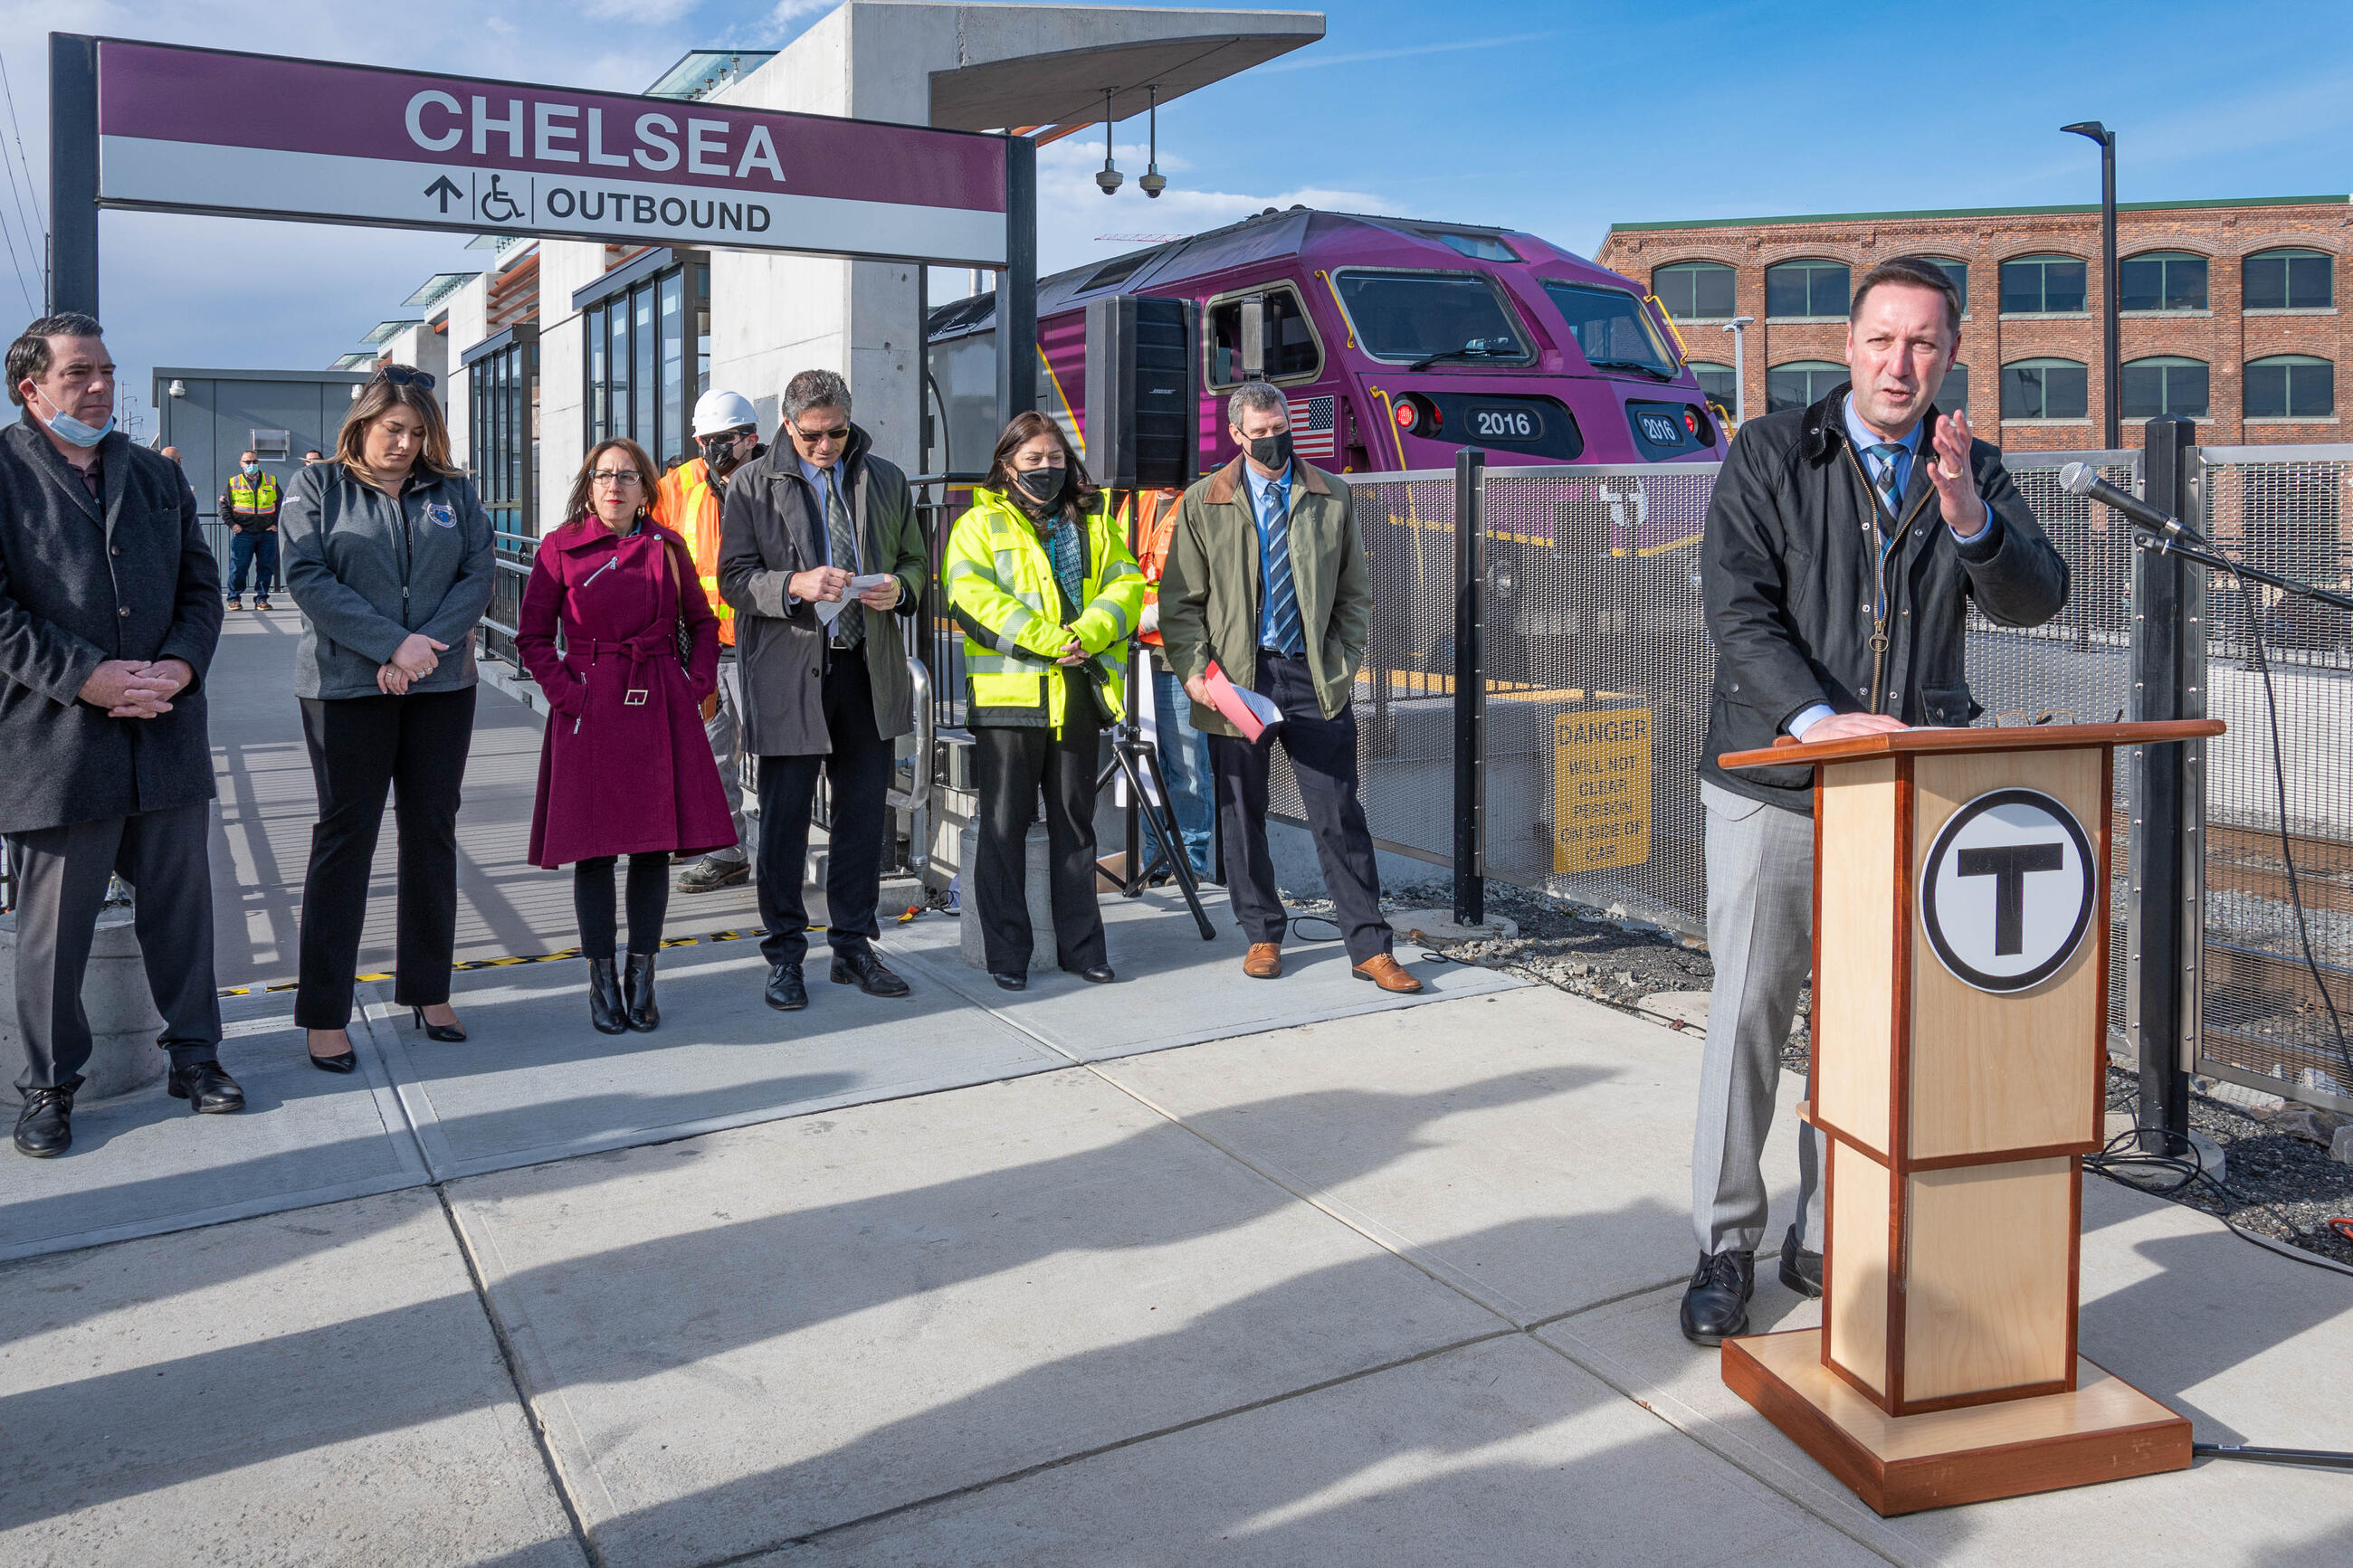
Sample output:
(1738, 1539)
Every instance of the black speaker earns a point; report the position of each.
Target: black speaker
(1143, 409)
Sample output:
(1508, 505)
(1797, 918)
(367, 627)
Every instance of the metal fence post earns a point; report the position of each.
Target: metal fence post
(1469, 687)
(2165, 924)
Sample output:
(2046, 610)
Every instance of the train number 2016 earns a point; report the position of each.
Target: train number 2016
(1505, 424)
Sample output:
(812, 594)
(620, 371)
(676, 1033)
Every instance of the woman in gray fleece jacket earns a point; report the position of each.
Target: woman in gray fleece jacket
(390, 558)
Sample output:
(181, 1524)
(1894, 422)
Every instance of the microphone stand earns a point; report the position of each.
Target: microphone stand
(2161, 544)
(1133, 756)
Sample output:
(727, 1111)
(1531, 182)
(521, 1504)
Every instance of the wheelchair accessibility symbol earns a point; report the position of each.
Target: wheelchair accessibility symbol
(498, 204)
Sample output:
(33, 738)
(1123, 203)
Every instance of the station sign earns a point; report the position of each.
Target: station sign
(1601, 789)
(204, 131)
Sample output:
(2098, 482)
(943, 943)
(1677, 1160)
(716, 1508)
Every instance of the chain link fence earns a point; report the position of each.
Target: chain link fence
(2278, 979)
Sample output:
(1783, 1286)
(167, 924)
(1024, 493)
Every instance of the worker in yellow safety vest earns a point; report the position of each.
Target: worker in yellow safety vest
(249, 507)
(727, 432)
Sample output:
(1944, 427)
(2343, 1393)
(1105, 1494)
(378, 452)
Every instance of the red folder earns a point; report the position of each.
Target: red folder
(1246, 711)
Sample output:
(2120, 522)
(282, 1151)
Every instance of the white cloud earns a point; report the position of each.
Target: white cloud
(643, 13)
(1310, 60)
(784, 19)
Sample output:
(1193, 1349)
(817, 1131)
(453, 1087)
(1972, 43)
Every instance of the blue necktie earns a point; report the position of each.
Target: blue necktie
(1281, 598)
(1890, 496)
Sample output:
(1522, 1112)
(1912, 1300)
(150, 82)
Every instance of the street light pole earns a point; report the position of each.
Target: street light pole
(1738, 327)
(2112, 370)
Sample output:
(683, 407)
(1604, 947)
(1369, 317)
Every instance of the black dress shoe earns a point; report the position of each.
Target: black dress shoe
(1800, 1270)
(1715, 1307)
(786, 992)
(44, 1126)
(1093, 973)
(346, 1062)
(637, 994)
(448, 1034)
(865, 971)
(1010, 982)
(209, 1090)
(607, 1014)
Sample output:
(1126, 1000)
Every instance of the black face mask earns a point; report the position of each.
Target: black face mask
(719, 456)
(1043, 486)
(1271, 451)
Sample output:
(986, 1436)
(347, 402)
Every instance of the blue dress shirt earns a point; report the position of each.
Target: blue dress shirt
(1258, 486)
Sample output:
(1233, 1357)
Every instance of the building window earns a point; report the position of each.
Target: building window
(2291, 386)
(1694, 290)
(2290, 281)
(2163, 280)
(504, 413)
(2044, 388)
(1800, 385)
(1953, 393)
(2042, 286)
(1958, 271)
(1805, 288)
(2165, 385)
(1716, 382)
(643, 376)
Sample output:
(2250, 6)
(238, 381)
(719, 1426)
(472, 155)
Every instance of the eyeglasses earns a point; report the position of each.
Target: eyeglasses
(401, 375)
(839, 433)
(616, 477)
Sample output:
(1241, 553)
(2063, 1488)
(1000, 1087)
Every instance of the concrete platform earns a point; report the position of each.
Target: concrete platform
(535, 1082)
(278, 1391)
(142, 1165)
(1174, 989)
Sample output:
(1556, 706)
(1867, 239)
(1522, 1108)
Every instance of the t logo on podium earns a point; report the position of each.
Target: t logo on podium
(1974, 887)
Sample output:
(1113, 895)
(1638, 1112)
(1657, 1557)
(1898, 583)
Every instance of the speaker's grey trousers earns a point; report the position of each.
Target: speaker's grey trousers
(1760, 934)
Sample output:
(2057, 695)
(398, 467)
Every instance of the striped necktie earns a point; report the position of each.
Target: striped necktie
(841, 543)
(1281, 596)
(1891, 496)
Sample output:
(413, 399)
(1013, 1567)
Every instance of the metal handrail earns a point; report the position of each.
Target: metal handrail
(918, 794)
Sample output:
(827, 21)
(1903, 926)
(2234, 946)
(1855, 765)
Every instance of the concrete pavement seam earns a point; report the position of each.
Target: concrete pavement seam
(530, 1412)
(1102, 1449)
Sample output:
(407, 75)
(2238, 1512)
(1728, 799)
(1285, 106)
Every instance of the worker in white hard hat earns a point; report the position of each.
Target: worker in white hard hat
(727, 431)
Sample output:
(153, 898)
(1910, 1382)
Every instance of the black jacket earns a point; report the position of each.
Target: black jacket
(125, 575)
(1787, 568)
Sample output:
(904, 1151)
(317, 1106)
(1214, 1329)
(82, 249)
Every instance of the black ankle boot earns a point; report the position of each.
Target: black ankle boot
(637, 989)
(605, 1008)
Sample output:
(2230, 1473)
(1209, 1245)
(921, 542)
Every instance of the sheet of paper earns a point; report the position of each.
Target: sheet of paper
(829, 610)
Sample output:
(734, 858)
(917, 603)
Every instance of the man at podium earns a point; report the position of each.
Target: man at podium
(1844, 544)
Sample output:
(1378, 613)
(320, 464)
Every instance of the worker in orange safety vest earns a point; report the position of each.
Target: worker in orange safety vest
(727, 432)
(1184, 751)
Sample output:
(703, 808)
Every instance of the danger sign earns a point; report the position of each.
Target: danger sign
(1601, 789)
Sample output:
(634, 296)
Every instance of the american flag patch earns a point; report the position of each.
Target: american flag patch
(1314, 422)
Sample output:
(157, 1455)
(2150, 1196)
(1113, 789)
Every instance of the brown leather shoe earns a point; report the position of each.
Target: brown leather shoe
(1385, 973)
(1264, 961)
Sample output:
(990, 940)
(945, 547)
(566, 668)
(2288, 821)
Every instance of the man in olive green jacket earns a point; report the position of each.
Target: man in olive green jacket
(1266, 578)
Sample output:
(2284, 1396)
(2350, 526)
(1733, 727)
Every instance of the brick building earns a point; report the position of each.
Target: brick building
(2230, 310)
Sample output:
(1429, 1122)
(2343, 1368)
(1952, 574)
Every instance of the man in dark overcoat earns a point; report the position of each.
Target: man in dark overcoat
(110, 608)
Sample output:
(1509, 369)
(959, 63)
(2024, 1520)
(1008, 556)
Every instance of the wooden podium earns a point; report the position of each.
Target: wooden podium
(1957, 1076)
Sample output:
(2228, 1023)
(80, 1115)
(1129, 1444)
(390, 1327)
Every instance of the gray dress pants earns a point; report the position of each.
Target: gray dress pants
(62, 872)
(1760, 935)
(723, 730)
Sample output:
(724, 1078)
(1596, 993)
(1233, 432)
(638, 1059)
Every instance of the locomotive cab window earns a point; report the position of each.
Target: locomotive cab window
(1290, 346)
(1611, 327)
(1448, 318)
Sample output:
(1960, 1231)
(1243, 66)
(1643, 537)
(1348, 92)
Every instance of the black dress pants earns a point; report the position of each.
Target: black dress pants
(1014, 769)
(1324, 759)
(360, 746)
(61, 886)
(859, 767)
(592, 902)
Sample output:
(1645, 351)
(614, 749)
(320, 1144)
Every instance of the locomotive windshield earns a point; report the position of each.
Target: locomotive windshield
(1611, 327)
(1445, 317)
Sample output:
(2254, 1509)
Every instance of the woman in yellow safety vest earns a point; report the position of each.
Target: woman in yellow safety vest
(1040, 576)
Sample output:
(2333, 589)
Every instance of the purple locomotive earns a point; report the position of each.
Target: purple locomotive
(1398, 341)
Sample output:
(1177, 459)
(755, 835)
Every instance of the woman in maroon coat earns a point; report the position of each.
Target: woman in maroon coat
(625, 769)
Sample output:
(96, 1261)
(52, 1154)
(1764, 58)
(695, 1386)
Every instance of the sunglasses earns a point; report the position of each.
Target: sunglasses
(814, 436)
(401, 375)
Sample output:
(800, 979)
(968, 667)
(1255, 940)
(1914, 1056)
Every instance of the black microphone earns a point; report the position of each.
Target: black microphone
(2083, 479)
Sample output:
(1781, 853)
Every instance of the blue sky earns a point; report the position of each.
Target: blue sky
(1556, 119)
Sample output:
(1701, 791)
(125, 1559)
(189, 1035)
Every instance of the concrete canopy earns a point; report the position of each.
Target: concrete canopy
(1003, 67)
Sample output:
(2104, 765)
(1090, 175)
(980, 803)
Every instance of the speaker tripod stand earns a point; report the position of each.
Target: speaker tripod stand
(1134, 757)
